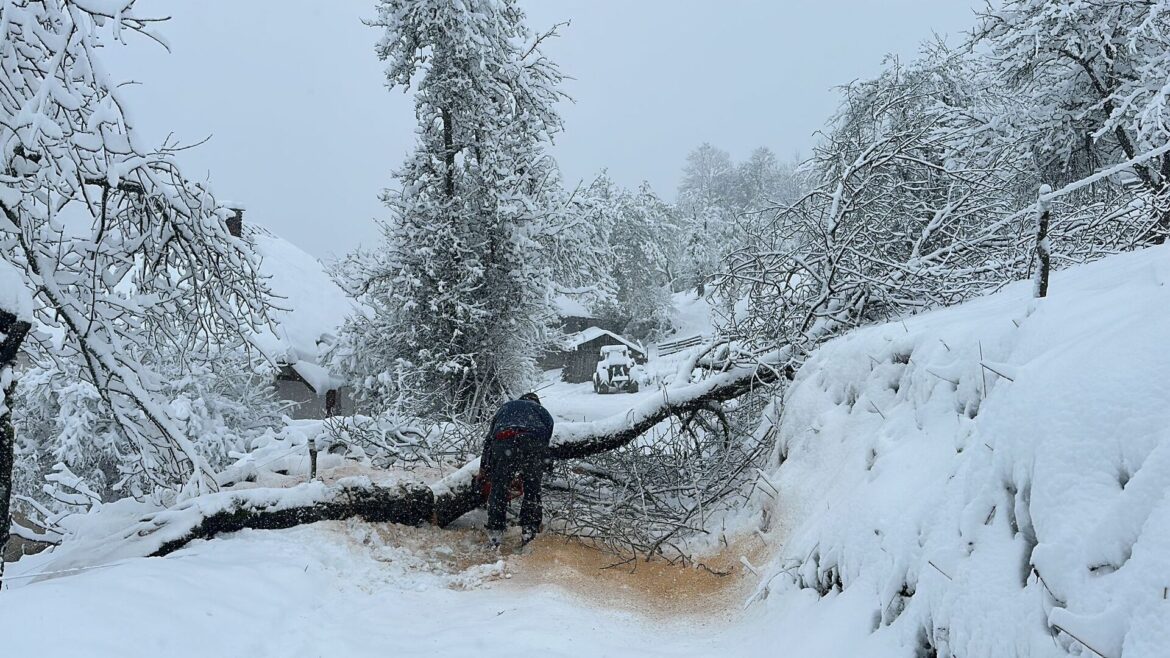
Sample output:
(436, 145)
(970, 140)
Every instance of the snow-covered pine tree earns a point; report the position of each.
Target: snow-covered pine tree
(707, 205)
(644, 246)
(460, 290)
(125, 256)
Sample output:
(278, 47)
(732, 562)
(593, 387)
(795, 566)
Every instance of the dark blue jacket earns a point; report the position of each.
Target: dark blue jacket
(524, 415)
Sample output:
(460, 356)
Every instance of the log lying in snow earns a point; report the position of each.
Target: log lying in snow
(271, 509)
(416, 503)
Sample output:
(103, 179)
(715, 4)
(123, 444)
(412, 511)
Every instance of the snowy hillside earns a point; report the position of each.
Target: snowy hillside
(988, 480)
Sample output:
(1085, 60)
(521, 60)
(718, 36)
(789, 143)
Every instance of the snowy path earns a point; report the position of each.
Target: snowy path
(323, 590)
(578, 401)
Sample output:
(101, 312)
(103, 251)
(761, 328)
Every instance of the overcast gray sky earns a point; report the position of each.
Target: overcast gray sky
(304, 132)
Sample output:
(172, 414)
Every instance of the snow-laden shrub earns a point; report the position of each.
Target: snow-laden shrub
(671, 493)
(63, 424)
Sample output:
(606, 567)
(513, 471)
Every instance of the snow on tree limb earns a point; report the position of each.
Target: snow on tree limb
(456, 494)
(271, 509)
(144, 266)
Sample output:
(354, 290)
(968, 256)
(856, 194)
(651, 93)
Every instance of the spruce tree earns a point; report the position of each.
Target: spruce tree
(459, 290)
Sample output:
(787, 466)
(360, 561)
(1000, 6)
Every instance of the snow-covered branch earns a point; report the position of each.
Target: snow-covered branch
(129, 261)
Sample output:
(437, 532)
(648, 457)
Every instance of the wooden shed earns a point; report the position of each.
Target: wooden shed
(582, 350)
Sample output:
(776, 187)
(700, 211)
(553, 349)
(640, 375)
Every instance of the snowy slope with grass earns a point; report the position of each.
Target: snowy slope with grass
(988, 480)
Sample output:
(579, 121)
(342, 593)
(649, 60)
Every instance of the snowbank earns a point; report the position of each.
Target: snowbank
(692, 316)
(331, 589)
(988, 480)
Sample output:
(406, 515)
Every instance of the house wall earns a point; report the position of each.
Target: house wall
(307, 404)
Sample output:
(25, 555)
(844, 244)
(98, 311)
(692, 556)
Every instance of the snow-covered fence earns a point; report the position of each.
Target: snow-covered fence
(674, 347)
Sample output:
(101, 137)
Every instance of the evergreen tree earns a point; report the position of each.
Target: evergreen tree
(643, 247)
(460, 289)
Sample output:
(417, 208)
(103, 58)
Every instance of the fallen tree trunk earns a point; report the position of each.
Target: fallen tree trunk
(273, 509)
(456, 494)
(13, 329)
(412, 504)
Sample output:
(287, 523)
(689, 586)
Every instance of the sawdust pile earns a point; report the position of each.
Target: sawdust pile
(655, 588)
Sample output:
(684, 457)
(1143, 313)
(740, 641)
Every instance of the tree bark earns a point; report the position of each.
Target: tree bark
(1043, 249)
(408, 504)
(449, 154)
(13, 332)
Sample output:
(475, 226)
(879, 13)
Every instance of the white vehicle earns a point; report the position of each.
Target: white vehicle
(615, 371)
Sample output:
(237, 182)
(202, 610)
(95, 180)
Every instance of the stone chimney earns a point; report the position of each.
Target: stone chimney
(235, 223)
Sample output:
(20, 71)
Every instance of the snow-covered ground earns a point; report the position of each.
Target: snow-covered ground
(575, 402)
(983, 481)
(693, 316)
(331, 589)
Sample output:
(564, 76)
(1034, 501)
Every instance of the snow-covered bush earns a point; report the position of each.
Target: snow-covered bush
(923, 189)
(1089, 84)
(898, 218)
(668, 494)
(63, 422)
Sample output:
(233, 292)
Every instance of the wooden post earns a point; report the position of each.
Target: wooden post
(12, 333)
(312, 458)
(1043, 247)
(330, 402)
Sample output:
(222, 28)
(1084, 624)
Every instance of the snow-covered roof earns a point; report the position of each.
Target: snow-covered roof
(310, 308)
(567, 307)
(592, 333)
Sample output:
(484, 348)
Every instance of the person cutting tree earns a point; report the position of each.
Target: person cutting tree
(516, 447)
